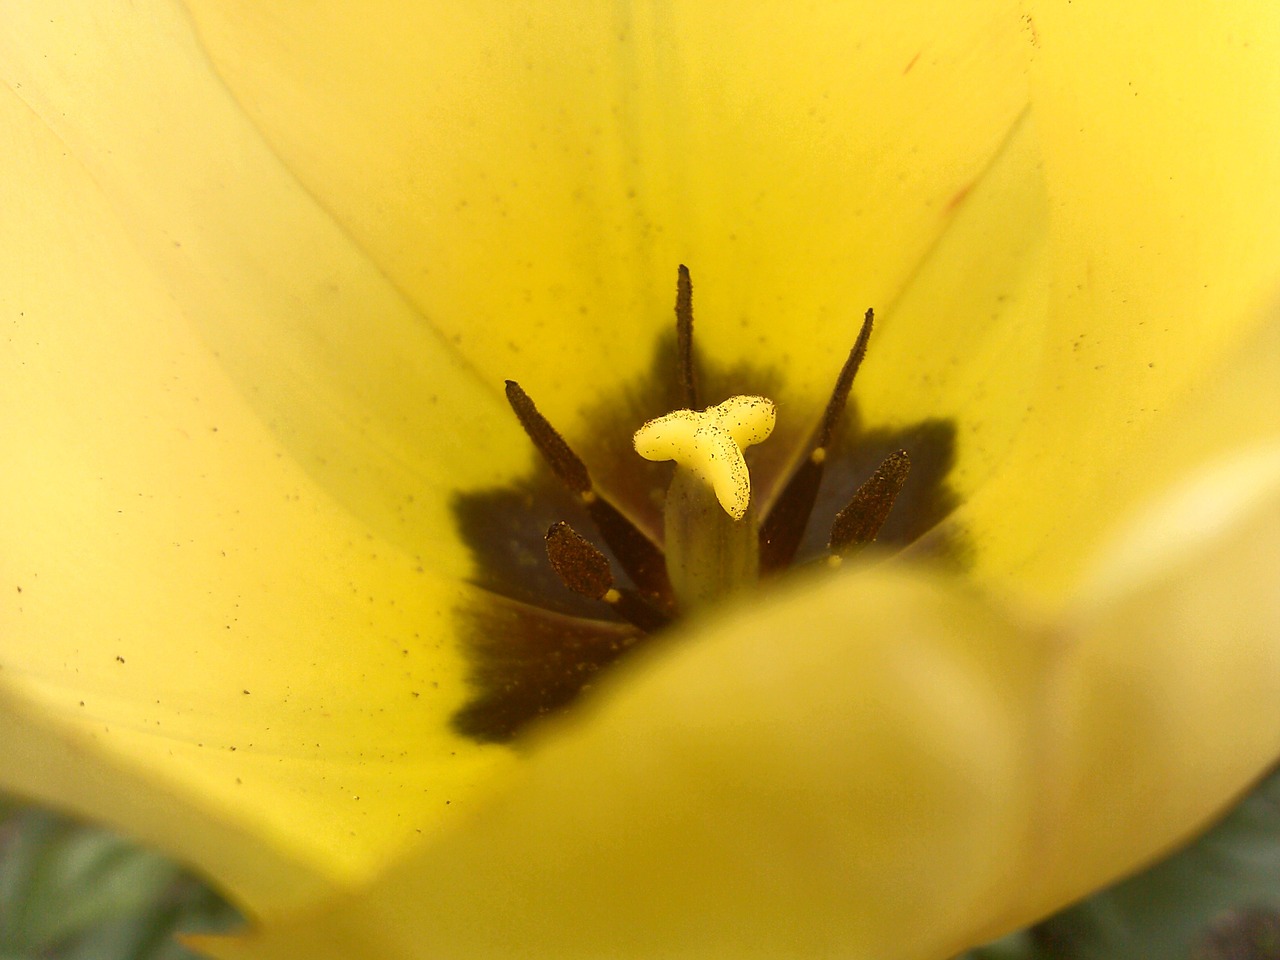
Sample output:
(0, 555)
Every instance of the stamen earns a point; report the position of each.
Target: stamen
(784, 527)
(583, 568)
(844, 383)
(710, 442)
(639, 556)
(684, 337)
(860, 521)
(564, 463)
(585, 571)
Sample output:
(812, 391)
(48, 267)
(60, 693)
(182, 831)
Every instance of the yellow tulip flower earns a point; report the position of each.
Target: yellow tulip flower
(267, 266)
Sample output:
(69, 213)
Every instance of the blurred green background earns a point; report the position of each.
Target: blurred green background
(74, 892)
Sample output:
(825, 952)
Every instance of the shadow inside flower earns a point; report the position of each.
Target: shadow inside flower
(535, 645)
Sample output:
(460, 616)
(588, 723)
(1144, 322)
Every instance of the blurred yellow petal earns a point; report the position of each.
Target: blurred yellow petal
(363, 391)
(1158, 133)
(1176, 674)
(875, 765)
(183, 591)
(813, 777)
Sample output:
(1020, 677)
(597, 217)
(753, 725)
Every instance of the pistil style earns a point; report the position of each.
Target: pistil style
(711, 535)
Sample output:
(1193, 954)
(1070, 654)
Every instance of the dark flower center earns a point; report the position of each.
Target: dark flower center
(570, 558)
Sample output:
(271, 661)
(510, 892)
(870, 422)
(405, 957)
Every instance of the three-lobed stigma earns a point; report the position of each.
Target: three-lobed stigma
(710, 443)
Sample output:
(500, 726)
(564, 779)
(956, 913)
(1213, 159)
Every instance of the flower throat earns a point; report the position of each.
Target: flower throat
(613, 581)
(715, 541)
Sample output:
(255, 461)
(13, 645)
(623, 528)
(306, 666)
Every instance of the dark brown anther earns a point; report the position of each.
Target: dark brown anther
(576, 561)
(585, 571)
(563, 462)
(860, 521)
(783, 528)
(684, 338)
(844, 382)
(639, 556)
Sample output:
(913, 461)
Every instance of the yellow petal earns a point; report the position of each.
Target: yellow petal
(965, 343)
(878, 765)
(1158, 134)
(540, 169)
(364, 392)
(210, 594)
(67, 764)
(1175, 677)
(844, 771)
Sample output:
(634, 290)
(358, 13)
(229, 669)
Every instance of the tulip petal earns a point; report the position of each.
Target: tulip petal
(360, 388)
(1163, 175)
(965, 343)
(844, 770)
(879, 765)
(1211, 894)
(530, 174)
(1175, 681)
(202, 642)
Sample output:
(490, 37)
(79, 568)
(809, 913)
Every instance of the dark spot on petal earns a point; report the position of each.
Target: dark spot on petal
(530, 662)
(504, 528)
